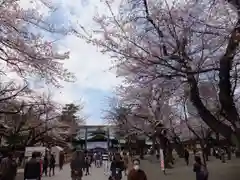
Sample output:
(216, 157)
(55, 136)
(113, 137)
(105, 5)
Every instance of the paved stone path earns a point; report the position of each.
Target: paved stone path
(217, 171)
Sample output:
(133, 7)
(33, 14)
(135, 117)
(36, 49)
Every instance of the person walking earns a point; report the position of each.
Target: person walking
(77, 164)
(52, 163)
(101, 161)
(98, 160)
(186, 156)
(95, 158)
(200, 169)
(21, 157)
(105, 163)
(125, 160)
(116, 168)
(136, 173)
(8, 168)
(61, 160)
(40, 160)
(45, 164)
(87, 164)
(32, 169)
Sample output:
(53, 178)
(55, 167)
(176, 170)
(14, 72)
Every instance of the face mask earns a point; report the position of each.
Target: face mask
(136, 167)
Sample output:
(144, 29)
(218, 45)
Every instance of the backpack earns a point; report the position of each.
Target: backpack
(204, 171)
(52, 161)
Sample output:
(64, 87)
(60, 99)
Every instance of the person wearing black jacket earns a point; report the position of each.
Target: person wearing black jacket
(116, 168)
(52, 163)
(32, 169)
(8, 168)
(45, 165)
(77, 165)
(186, 156)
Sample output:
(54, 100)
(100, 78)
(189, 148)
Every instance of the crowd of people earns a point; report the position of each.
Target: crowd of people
(115, 166)
(37, 167)
(34, 168)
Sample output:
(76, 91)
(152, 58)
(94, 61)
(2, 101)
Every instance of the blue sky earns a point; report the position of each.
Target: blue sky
(96, 104)
(95, 82)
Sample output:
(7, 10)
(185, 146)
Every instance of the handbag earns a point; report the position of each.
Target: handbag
(110, 178)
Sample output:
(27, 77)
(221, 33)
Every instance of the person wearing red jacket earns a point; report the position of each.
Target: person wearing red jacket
(41, 166)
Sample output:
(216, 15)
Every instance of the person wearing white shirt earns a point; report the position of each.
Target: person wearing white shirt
(105, 163)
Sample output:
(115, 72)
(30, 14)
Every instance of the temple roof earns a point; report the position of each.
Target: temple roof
(95, 136)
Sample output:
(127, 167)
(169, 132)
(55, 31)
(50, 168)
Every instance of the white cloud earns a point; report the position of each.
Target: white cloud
(89, 65)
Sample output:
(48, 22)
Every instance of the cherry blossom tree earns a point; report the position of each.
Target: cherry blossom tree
(185, 44)
(140, 111)
(37, 119)
(24, 49)
(28, 53)
(10, 91)
(25, 52)
(198, 131)
(32, 120)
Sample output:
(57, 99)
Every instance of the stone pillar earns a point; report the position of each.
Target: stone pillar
(86, 137)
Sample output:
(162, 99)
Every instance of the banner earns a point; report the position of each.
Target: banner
(162, 160)
(93, 145)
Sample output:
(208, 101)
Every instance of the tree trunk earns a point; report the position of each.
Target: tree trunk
(205, 114)
(203, 155)
(179, 147)
(226, 92)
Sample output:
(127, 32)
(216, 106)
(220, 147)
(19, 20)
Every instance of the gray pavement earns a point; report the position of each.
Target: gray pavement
(95, 174)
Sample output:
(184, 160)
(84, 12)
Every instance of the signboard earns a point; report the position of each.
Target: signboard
(30, 150)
